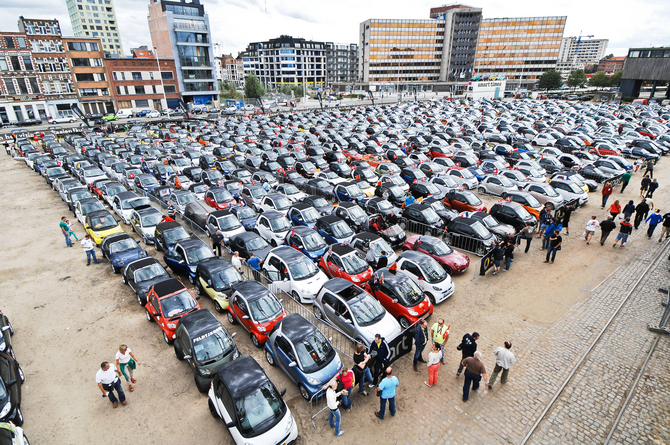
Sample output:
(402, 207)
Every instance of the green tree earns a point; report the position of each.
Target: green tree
(228, 91)
(600, 79)
(253, 87)
(577, 78)
(609, 56)
(615, 79)
(550, 80)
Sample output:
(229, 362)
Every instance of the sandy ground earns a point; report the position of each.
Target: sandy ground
(68, 318)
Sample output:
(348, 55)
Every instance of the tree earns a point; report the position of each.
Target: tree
(577, 78)
(615, 79)
(253, 87)
(228, 91)
(550, 80)
(600, 79)
(609, 56)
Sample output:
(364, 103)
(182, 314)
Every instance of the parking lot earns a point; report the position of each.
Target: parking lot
(68, 318)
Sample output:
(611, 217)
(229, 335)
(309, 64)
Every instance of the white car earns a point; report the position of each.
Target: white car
(275, 201)
(291, 192)
(496, 185)
(395, 180)
(153, 114)
(85, 206)
(179, 199)
(122, 204)
(517, 178)
(143, 221)
(531, 164)
(273, 227)
(329, 176)
(63, 120)
(249, 107)
(91, 175)
(551, 151)
(544, 140)
(294, 273)
(463, 177)
(224, 221)
(569, 190)
(531, 174)
(428, 274)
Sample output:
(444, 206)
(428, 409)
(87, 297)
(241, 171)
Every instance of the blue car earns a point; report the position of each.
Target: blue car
(299, 349)
(334, 230)
(478, 172)
(245, 215)
(346, 192)
(121, 249)
(184, 256)
(307, 241)
(303, 214)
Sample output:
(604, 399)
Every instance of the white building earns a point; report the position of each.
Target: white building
(91, 18)
(575, 54)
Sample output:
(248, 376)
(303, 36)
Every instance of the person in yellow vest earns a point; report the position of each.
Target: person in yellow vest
(440, 335)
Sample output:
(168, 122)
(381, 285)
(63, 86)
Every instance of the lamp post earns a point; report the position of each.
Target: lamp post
(160, 74)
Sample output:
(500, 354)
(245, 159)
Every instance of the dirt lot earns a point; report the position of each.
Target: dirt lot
(69, 318)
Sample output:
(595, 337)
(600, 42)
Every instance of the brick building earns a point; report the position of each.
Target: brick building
(611, 65)
(139, 83)
(90, 78)
(232, 70)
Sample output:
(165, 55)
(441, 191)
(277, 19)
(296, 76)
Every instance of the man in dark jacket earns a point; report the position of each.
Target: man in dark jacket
(468, 347)
(382, 358)
(606, 228)
(498, 255)
(640, 211)
(509, 254)
(383, 261)
(420, 342)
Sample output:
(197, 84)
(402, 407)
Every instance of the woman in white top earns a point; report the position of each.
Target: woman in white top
(126, 361)
(433, 364)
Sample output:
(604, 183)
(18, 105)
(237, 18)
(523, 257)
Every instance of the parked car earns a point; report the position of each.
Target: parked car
(333, 229)
(167, 302)
(256, 309)
(184, 256)
(215, 277)
(11, 380)
(307, 241)
(512, 213)
(141, 274)
(452, 261)
(293, 273)
(345, 262)
(427, 274)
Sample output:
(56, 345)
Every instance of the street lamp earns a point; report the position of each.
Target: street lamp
(160, 74)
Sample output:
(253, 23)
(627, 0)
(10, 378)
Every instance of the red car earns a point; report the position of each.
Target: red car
(341, 261)
(605, 150)
(453, 262)
(167, 302)
(95, 187)
(352, 155)
(440, 152)
(463, 201)
(219, 198)
(400, 296)
(256, 309)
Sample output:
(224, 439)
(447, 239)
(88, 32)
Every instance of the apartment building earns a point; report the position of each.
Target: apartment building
(90, 77)
(341, 63)
(611, 65)
(96, 19)
(232, 70)
(576, 53)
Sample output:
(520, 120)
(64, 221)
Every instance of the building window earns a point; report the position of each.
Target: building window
(167, 75)
(3, 64)
(27, 63)
(80, 62)
(9, 84)
(118, 90)
(85, 77)
(137, 75)
(9, 41)
(76, 46)
(139, 89)
(144, 103)
(16, 66)
(94, 46)
(170, 89)
(22, 42)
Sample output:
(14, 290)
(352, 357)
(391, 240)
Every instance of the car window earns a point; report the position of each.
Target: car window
(283, 345)
(411, 268)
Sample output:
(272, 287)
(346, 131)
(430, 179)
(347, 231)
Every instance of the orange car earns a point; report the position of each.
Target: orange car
(528, 201)
(374, 160)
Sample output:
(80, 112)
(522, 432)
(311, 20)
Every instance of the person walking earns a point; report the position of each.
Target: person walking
(236, 261)
(474, 372)
(433, 365)
(654, 219)
(127, 363)
(361, 369)
(545, 220)
(641, 211)
(625, 179)
(334, 417)
(649, 169)
(548, 231)
(628, 209)
(497, 254)
(7, 148)
(255, 263)
(606, 228)
(554, 246)
(381, 348)
(467, 347)
(607, 191)
(388, 388)
(504, 359)
(615, 209)
(509, 254)
(644, 185)
(653, 185)
(108, 381)
(567, 213)
(216, 238)
(665, 227)
(591, 227)
(440, 334)
(527, 234)
(65, 229)
(625, 229)
(420, 342)
(89, 247)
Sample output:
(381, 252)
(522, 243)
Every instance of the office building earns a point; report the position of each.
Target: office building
(232, 70)
(645, 65)
(180, 30)
(611, 65)
(576, 53)
(139, 83)
(341, 63)
(90, 79)
(96, 19)
(520, 49)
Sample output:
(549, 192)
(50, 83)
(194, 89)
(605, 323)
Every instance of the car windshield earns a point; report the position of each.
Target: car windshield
(397, 180)
(330, 175)
(320, 202)
(354, 263)
(432, 188)
(149, 272)
(246, 212)
(441, 248)
(178, 304)
(151, 219)
(310, 215)
(176, 234)
(308, 166)
(222, 196)
(522, 212)
(198, 254)
(574, 188)
(433, 271)
(480, 230)
(313, 242)
(379, 246)
(321, 184)
(265, 308)
(367, 311)
(282, 203)
(232, 186)
(162, 192)
(123, 246)
(209, 347)
(490, 221)
(302, 269)
(214, 175)
(222, 279)
(505, 181)
(472, 199)
(279, 224)
(430, 215)
(148, 181)
(186, 198)
(227, 165)
(260, 410)
(384, 205)
(467, 174)
(91, 207)
(93, 172)
(200, 188)
(76, 196)
(228, 222)
(354, 191)
(258, 192)
(532, 201)
(54, 171)
(408, 293)
(341, 229)
(103, 222)
(314, 352)
(291, 190)
(256, 243)
(138, 202)
(356, 213)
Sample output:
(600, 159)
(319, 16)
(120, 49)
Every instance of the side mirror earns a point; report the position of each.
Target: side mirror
(285, 279)
(233, 334)
(347, 321)
(246, 317)
(283, 392)
(292, 365)
(394, 301)
(230, 425)
(13, 382)
(5, 328)
(187, 357)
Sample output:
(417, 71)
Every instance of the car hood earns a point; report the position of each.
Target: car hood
(127, 257)
(144, 286)
(262, 253)
(387, 327)
(249, 223)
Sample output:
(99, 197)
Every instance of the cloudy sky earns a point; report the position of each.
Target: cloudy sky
(235, 23)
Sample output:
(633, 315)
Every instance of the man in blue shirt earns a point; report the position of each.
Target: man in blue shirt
(653, 221)
(255, 264)
(387, 388)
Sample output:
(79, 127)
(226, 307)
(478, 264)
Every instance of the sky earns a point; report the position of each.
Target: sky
(235, 23)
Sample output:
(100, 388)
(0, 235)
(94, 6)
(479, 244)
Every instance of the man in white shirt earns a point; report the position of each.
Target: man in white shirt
(334, 417)
(89, 247)
(108, 381)
(504, 359)
(236, 261)
(591, 227)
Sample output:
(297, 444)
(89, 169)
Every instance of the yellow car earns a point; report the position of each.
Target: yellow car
(100, 224)
(214, 278)
(365, 187)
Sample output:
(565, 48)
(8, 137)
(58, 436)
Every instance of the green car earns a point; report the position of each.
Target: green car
(109, 117)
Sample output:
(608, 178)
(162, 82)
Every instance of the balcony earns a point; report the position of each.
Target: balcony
(195, 61)
(191, 25)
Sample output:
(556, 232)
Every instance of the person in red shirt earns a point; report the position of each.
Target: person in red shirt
(346, 376)
(615, 209)
(607, 191)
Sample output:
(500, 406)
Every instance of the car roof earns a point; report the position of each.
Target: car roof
(114, 238)
(344, 288)
(168, 287)
(273, 214)
(341, 249)
(245, 236)
(348, 205)
(242, 376)
(167, 225)
(126, 195)
(98, 213)
(301, 206)
(304, 230)
(418, 207)
(512, 204)
(191, 242)
(295, 327)
(287, 253)
(251, 289)
(199, 322)
(329, 219)
(366, 236)
(413, 255)
(143, 262)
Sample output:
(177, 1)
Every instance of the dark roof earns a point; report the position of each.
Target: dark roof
(419, 257)
(273, 214)
(348, 205)
(304, 230)
(418, 207)
(337, 285)
(242, 376)
(167, 287)
(167, 225)
(144, 262)
(288, 253)
(341, 249)
(479, 215)
(251, 289)
(191, 242)
(367, 236)
(391, 278)
(199, 322)
(220, 213)
(429, 239)
(301, 206)
(330, 219)
(214, 263)
(467, 221)
(114, 238)
(295, 327)
(197, 207)
(98, 213)
(126, 195)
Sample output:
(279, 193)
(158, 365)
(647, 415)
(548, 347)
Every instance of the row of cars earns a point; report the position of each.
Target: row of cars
(12, 378)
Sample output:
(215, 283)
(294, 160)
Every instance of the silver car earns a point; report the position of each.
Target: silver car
(570, 191)
(544, 193)
(179, 199)
(496, 185)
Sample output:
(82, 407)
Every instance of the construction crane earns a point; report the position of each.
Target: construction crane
(579, 42)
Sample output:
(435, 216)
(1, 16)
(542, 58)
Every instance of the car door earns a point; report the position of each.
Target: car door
(285, 356)
(183, 343)
(212, 224)
(154, 309)
(335, 266)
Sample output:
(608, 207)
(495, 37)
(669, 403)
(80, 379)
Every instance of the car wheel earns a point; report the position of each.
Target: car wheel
(140, 300)
(198, 288)
(157, 246)
(202, 386)
(167, 340)
(149, 317)
(231, 319)
(431, 298)
(481, 190)
(218, 307)
(115, 269)
(22, 376)
(273, 243)
(190, 279)
(212, 410)
(317, 312)
(304, 393)
(481, 250)
(180, 356)
(18, 420)
(255, 341)
(448, 270)
(295, 296)
(402, 224)
(269, 358)
(404, 323)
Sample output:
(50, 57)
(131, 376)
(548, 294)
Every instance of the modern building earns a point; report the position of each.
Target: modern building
(341, 63)
(286, 61)
(611, 65)
(575, 53)
(96, 19)
(90, 80)
(180, 30)
(217, 49)
(645, 65)
(519, 49)
(140, 83)
(232, 70)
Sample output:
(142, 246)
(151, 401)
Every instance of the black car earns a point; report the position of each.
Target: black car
(512, 213)
(250, 242)
(322, 185)
(594, 173)
(294, 178)
(492, 224)
(341, 169)
(426, 189)
(394, 194)
(550, 164)
(11, 379)
(206, 162)
(203, 342)
(381, 206)
(446, 213)
(169, 233)
(193, 173)
(6, 333)
(162, 193)
(319, 203)
(352, 214)
(197, 212)
(421, 218)
(142, 274)
(470, 234)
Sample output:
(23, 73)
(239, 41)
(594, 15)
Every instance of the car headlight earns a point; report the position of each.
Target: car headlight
(411, 312)
(5, 410)
(313, 381)
(191, 268)
(96, 234)
(204, 371)
(3, 344)
(236, 355)
(437, 288)
(289, 424)
(172, 326)
(120, 262)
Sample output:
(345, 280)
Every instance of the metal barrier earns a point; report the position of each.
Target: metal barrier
(614, 181)
(456, 240)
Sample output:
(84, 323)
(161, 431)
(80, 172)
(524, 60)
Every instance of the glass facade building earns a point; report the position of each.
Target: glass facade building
(96, 19)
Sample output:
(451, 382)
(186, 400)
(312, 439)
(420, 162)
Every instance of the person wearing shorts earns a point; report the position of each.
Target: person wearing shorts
(625, 229)
(665, 228)
(591, 227)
